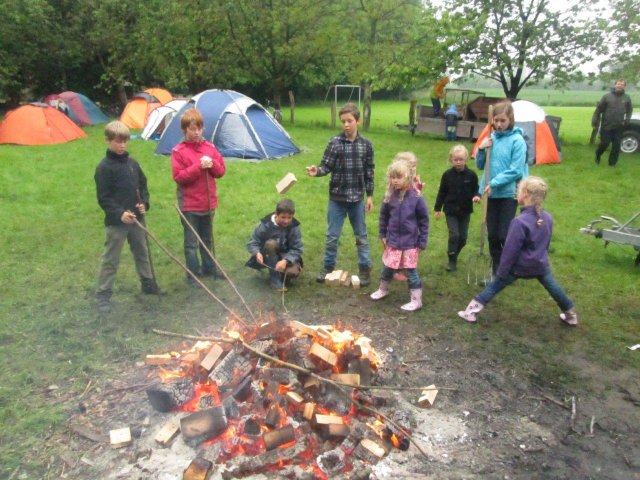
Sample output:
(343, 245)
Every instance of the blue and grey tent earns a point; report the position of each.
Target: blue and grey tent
(237, 125)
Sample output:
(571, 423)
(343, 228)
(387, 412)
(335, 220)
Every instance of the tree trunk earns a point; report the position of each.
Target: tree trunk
(292, 106)
(367, 107)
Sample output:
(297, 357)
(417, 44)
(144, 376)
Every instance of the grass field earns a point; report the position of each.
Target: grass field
(53, 343)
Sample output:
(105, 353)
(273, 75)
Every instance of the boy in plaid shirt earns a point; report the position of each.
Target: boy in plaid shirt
(349, 159)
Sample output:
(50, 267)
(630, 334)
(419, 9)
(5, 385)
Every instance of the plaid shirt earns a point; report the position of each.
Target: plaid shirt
(351, 167)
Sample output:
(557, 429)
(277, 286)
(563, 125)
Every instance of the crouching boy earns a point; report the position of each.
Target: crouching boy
(276, 244)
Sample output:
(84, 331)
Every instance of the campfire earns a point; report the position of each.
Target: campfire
(282, 396)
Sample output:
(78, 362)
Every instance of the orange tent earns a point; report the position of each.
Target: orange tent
(38, 124)
(137, 111)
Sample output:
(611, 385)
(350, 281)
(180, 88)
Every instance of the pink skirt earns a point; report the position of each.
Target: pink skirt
(396, 259)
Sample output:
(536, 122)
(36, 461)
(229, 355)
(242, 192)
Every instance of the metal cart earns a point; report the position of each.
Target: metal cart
(613, 231)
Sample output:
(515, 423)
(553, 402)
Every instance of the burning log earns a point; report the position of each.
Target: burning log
(251, 427)
(323, 354)
(347, 378)
(167, 396)
(332, 462)
(320, 419)
(297, 349)
(160, 359)
(283, 376)
(294, 398)
(309, 410)
(279, 437)
(370, 451)
(198, 469)
(337, 431)
(231, 408)
(274, 414)
(233, 368)
(212, 357)
(203, 425)
(241, 466)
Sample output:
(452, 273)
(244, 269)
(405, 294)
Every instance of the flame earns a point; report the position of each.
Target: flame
(200, 390)
(395, 440)
(166, 375)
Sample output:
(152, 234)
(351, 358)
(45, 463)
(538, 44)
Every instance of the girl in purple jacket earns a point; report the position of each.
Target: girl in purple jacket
(526, 254)
(403, 229)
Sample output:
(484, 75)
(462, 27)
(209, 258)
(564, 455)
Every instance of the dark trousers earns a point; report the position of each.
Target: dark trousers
(203, 225)
(500, 212)
(613, 138)
(458, 231)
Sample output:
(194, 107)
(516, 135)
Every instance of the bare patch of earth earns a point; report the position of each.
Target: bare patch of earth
(487, 421)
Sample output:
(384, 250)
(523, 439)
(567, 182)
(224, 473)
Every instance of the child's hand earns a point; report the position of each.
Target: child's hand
(486, 143)
(281, 265)
(141, 208)
(206, 162)
(437, 215)
(369, 204)
(476, 199)
(259, 258)
(312, 171)
(128, 217)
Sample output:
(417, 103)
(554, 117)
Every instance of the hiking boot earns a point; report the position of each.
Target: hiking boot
(323, 273)
(383, 290)
(469, 314)
(416, 301)
(150, 287)
(597, 159)
(452, 265)
(570, 317)
(365, 276)
(104, 306)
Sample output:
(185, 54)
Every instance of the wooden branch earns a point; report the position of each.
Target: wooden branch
(190, 273)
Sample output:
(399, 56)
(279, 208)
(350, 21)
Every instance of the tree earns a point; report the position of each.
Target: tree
(624, 29)
(519, 42)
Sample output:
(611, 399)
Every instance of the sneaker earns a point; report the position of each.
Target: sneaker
(569, 317)
(323, 273)
(150, 287)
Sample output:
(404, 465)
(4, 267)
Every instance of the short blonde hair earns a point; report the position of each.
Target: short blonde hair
(116, 130)
(458, 149)
(398, 169)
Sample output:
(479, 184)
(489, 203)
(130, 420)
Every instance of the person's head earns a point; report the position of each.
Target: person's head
(398, 179)
(620, 85)
(349, 118)
(285, 210)
(409, 157)
(117, 136)
(192, 125)
(458, 157)
(503, 116)
(532, 191)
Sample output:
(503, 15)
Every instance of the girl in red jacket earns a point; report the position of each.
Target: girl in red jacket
(196, 164)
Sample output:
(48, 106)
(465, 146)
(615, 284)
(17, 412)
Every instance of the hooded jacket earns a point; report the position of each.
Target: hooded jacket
(289, 240)
(613, 111)
(508, 163)
(405, 224)
(196, 186)
(120, 186)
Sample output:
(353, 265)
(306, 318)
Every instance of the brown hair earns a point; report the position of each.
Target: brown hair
(285, 206)
(116, 130)
(191, 116)
(505, 108)
(350, 108)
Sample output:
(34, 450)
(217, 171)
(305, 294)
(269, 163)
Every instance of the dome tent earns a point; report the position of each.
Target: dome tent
(38, 124)
(78, 107)
(160, 117)
(539, 134)
(237, 125)
(137, 110)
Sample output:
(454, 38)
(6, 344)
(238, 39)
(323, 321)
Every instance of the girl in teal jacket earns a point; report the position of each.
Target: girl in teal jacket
(508, 165)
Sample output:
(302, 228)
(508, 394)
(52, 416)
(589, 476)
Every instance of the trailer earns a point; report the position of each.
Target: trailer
(473, 108)
(612, 231)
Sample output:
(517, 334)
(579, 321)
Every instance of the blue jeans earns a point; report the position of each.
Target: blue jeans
(203, 225)
(546, 280)
(336, 213)
(413, 279)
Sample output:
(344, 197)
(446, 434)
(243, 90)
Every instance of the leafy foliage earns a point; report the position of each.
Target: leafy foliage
(624, 30)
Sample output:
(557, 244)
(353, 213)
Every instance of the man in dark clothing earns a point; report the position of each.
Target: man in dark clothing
(612, 114)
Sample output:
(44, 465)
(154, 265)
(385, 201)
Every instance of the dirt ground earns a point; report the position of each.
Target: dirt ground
(487, 421)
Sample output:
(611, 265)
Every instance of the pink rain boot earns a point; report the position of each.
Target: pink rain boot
(416, 301)
(469, 314)
(383, 290)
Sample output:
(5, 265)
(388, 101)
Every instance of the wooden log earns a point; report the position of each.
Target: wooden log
(278, 437)
(309, 410)
(212, 357)
(333, 278)
(120, 437)
(165, 397)
(288, 181)
(355, 281)
(428, 397)
(233, 368)
(337, 431)
(323, 354)
(160, 359)
(320, 419)
(352, 379)
(370, 451)
(241, 465)
(345, 279)
(294, 398)
(302, 328)
(198, 469)
(282, 376)
(203, 425)
(167, 433)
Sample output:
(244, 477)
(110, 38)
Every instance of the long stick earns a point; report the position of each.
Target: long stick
(210, 253)
(146, 239)
(193, 276)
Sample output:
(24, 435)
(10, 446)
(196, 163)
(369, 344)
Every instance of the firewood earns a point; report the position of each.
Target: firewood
(302, 328)
(212, 358)
(242, 465)
(345, 279)
(120, 437)
(167, 396)
(278, 437)
(428, 397)
(203, 425)
(198, 469)
(288, 181)
(327, 419)
(191, 360)
(324, 332)
(323, 354)
(294, 398)
(347, 378)
(160, 359)
(309, 410)
(355, 281)
(333, 278)
(311, 383)
(337, 430)
(167, 433)
(369, 450)
(232, 369)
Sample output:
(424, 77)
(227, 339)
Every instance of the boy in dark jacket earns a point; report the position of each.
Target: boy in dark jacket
(276, 244)
(121, 188)
(458, 190)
